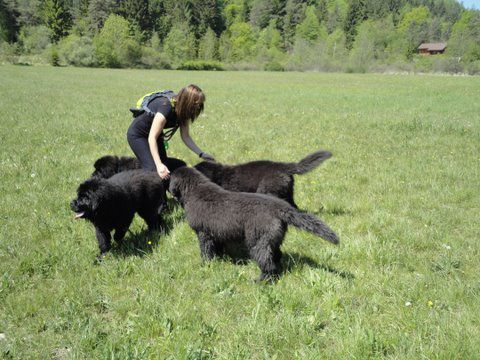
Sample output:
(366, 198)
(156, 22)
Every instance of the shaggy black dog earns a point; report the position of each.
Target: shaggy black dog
(266, 177)
(225, 219)
(109, 165)
(110, 204)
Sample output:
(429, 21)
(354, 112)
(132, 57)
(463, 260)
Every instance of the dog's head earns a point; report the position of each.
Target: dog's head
(105, 167)
(86, 204)
(184, 179)
(127, 163)
(208, 168)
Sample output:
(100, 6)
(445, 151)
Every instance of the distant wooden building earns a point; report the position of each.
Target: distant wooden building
(432, 48)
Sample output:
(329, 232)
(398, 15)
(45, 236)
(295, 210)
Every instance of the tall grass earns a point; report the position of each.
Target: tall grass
(402, 191)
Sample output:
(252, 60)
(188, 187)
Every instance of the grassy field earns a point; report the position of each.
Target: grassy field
(402, 191)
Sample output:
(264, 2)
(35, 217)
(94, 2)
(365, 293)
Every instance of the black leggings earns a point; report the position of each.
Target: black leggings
(141, 149)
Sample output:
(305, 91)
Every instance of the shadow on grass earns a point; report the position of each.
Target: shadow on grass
(143, 242)
(335, 211)
(294, 260)
(290, 261)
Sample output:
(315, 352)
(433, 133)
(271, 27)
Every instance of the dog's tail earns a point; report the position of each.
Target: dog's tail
(309, 162)
(308, 222)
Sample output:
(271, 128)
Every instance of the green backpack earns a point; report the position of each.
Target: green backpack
(142, 107)
(142, 103)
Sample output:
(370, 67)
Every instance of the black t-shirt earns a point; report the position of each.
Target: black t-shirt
(141, 124)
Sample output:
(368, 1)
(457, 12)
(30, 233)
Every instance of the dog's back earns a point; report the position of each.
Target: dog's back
(142, 186)
(109, 165)
(262, 176)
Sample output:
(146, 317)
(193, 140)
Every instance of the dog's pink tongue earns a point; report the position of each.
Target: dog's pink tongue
(79, 215)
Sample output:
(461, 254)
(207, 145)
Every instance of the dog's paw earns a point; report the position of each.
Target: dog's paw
(99, 259)
(267, 278)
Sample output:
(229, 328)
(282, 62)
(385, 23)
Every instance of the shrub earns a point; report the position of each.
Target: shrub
(201, 65)
(473, 68)
(114, 46)
(274, 66)
(34, 39)
(153, 59)
(77, 51)
(179, 45)
(423, 64)
(54, 58)
(8, 52)
(448, 64)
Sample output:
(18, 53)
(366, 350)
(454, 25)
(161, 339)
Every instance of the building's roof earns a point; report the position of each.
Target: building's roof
(432, 46)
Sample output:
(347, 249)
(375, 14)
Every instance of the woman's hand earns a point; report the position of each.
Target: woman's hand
(163, 171)
(206, 156)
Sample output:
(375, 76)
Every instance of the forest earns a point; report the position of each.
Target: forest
(276, 35)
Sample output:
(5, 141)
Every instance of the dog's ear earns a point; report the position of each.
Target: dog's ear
(91, 190)
(127, 163)
(173, 187)
(97, 192)
(105, 166)
(177, 184)
(103, 161)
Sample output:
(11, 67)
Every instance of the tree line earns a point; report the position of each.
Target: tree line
(325, 35)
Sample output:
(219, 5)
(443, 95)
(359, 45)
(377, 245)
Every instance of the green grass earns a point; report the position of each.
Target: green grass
(402, 191)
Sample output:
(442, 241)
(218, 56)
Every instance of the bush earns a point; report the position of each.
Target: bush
(448, 64)
(423, 64)
(473, 68)
(179, 45)
(34, 39)
(54, 58)
(114, 46)
(244, 66)
(77, 51)
(153, 59)
(8, 52)
(201, 65)
(274, 66)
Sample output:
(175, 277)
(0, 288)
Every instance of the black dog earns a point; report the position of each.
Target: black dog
(223, 218)
(265, 177)
(109, 165)
(110, 204)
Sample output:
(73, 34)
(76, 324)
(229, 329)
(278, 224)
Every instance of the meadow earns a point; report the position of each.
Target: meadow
(402, 191)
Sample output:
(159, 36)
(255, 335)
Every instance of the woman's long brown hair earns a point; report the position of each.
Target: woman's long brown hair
(189, 103)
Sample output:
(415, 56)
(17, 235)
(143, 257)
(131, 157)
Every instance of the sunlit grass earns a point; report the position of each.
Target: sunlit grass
(402, 191)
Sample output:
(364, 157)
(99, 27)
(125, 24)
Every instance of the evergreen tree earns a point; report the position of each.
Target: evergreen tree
(335, 47)
(79, 9)
(262, 11)
(246, 9)
(29, 12)
(355, 15)
(465, 39)
(269, 41)
(309, 29)
(208, 47)
(232, 13)
(99, 10)
(8, 22)
(114, 46)
(334, 18)
(206, 14)
(322, 10)
(161, 20)
(294, 14)
(57, 18)
(243, 41)
(363, 50)
(179, 45)
(413, 29)
(136, 12)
